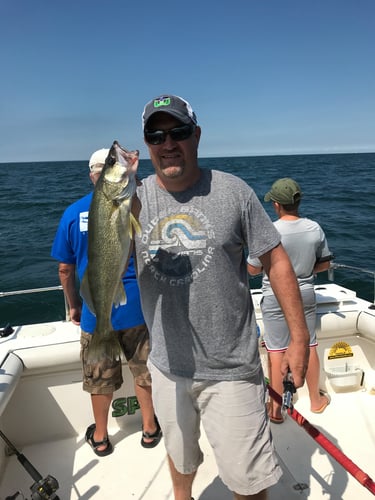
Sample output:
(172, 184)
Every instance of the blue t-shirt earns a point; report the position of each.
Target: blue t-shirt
(70, 247)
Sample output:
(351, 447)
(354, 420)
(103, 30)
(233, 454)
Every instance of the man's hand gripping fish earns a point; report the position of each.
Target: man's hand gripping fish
(110, 234)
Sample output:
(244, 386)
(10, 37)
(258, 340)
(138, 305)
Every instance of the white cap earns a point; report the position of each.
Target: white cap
(97, 160)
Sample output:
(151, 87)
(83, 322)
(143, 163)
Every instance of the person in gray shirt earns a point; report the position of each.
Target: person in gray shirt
(306, 245)
(191, 266)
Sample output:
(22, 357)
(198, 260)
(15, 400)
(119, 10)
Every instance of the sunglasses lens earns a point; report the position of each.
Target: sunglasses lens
(181, 133)
(177, 134)
(155, 138)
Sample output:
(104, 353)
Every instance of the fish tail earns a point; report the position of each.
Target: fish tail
(102, 347)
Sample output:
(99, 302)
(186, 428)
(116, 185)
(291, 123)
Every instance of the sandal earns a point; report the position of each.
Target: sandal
(324, 405)
(274, 420)
(89, 437)
(156, 437)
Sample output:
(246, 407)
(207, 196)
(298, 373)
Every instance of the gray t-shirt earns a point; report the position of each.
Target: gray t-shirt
(193, 278)
(305, 243)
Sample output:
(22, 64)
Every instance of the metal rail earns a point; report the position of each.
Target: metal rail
(331, 274)
(30, 290)
(331, 270)
(39, 290)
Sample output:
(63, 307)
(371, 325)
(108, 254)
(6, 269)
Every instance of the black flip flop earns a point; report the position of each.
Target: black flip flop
(89, 437)
(156, 437)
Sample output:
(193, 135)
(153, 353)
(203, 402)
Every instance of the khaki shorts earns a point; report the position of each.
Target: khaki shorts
(105, 377)
(234, 417)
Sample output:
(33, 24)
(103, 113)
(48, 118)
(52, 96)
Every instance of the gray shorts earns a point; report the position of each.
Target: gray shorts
(105, 377)
(234, 418)
(276, 332)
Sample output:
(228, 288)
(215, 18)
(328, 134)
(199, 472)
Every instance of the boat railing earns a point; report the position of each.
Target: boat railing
(334, 266)
(39, 290)
(331, 275)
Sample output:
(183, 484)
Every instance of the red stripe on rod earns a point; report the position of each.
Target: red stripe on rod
(361, 476)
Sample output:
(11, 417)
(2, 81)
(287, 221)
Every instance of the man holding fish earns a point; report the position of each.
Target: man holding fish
(191, 265)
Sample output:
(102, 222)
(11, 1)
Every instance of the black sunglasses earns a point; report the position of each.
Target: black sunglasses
(181, 133)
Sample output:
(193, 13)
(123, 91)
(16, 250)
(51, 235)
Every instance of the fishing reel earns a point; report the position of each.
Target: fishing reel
(289, 390)
(45, 489)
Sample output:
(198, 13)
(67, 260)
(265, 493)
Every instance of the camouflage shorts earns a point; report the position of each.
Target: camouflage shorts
(105, 377)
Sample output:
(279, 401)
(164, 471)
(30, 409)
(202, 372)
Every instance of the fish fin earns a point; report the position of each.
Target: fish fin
(120, 295)
(104, 346)
(135, 224)
(86, 293)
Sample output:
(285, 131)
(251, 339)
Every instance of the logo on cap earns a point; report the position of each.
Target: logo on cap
(162, 101)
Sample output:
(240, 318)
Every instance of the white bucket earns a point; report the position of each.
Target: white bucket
(345, 377)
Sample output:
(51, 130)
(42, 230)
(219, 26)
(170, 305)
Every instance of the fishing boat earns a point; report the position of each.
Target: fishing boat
(44, 415)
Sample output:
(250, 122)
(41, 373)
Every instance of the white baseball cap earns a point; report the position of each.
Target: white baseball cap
(97, 160)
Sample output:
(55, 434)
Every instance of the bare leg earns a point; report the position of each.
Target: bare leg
(312, 379)
(182, 483)
(262, 495)
(276, 380)
(148, 416)
(100, 407)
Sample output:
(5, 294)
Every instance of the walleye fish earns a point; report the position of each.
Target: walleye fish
(110, 233)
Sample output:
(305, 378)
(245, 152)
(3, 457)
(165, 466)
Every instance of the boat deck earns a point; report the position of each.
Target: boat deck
(131, 472)
(135, 473)
(44, 413)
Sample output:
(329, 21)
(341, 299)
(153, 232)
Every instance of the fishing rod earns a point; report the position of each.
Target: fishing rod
(287, 405)
(42, 488)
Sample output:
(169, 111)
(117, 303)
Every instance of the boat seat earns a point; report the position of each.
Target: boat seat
(333, 294)
(365, 323)
(10, 373)
(50, 358)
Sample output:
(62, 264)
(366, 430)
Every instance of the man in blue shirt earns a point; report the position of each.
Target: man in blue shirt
(103, 378)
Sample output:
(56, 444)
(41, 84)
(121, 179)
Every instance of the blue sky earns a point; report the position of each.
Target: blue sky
(264, 76)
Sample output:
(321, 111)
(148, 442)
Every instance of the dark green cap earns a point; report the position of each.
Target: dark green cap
(285, 191)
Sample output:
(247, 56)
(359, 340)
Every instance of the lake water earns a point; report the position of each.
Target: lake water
(338, 193)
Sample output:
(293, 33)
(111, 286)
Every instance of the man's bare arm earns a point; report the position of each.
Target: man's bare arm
(68, 282)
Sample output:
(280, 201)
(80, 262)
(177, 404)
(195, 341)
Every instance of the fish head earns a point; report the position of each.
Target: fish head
(120, 171)
(120, 163)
